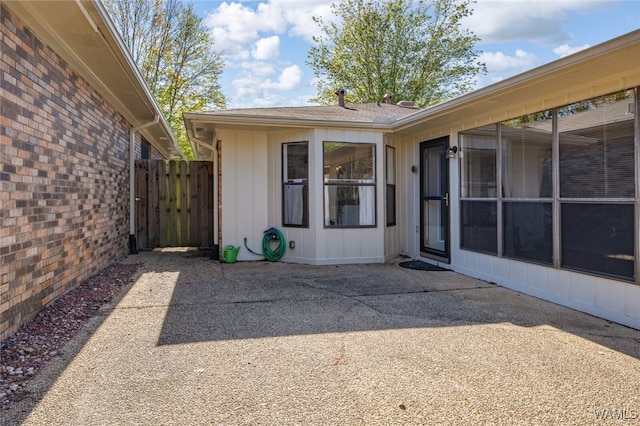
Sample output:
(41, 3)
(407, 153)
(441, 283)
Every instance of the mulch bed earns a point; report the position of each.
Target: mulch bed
(27, 351)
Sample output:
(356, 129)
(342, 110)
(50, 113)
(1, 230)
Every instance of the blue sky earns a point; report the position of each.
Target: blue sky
(265, 43)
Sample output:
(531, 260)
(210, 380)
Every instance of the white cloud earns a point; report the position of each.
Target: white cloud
(565, 49)
(256, 88)
(258, 68)
(237, 23)
(266, 48)
(257, 40)
(501, 65)
(289, 79)
(531, 20)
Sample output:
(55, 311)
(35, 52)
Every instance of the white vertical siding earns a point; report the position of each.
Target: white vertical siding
(245, 199)
(304, 238)
(610, 299)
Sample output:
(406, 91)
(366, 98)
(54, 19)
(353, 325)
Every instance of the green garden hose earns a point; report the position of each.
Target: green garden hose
(271, 235)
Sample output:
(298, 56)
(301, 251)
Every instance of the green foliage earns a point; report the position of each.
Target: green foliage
(415, 50)
(175, 55)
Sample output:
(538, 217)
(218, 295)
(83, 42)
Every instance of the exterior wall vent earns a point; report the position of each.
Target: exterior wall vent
(406, 104)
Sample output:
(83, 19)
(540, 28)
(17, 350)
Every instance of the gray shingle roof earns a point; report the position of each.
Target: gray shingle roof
(357, 113)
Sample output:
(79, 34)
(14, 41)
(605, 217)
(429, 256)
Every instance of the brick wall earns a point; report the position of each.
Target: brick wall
(63, 175)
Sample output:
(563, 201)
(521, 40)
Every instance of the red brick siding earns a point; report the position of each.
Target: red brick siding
(64, 177)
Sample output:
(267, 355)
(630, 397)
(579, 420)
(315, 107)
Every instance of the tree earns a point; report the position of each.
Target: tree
(175, 55)
(415, 50)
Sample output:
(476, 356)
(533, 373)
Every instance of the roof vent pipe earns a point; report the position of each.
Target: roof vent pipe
(388, 98)
(340, 93)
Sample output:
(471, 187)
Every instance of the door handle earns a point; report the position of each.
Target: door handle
(446, 199)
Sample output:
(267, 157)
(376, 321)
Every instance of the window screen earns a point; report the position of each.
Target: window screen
(479, 162)
(479, 226)
(528, 231)
(526, 156)
(599, 238)
(596, 148)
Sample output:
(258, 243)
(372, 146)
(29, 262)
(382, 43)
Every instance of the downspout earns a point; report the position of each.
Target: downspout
(133, 243)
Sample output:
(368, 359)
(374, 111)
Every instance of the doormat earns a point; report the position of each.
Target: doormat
(421, 266)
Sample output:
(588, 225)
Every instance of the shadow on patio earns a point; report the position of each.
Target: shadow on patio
(261, 299)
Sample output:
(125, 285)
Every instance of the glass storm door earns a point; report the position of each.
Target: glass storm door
(434, 199)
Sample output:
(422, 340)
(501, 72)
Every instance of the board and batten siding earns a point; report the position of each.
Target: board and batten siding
(245, 190)
(304, 238)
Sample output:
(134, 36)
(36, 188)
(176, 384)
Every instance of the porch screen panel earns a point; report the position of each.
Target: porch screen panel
(598, 237)
(479, 189)
(527, 156)
(479, 226)
(596, 148)
(598, 185)
(528, 231)
(527, 187)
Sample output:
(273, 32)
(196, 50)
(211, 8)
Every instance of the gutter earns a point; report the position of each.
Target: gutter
(133, 243)
(231, 120)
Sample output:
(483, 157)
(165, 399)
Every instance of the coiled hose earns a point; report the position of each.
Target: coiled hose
(271, 235)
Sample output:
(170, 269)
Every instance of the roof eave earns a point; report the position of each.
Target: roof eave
(536, 76)
(86, 46)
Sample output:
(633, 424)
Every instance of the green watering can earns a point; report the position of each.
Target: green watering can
(229, 254)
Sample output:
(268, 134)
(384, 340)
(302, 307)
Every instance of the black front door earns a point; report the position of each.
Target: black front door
(434, 199)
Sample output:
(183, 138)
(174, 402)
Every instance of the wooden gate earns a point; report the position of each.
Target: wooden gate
(174, 204)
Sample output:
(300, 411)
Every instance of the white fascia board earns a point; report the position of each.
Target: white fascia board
(235, 120)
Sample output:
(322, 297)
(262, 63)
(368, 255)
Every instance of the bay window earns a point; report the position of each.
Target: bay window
(349, 185)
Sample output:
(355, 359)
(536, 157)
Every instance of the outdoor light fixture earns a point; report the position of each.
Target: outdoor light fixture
(452, 151)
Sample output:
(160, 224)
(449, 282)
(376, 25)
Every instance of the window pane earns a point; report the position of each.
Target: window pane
(434, 235)
(296, 161)
(479, 226)
(479, 162)
(596, 148)
(391, 165)
(295, 201)
(349, 205)
(528, 231)
(390, 176)
(295, 198)
(391, 205)
(527, 168)
(348, 162)
(599, 238)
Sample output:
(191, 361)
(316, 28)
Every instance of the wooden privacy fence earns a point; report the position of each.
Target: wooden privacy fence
(174, 204)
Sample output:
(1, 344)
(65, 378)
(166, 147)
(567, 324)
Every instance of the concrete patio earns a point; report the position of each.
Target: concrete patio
(198, 342)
